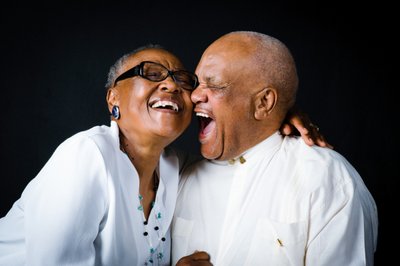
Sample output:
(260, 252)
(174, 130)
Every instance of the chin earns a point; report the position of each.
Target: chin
(209, 154)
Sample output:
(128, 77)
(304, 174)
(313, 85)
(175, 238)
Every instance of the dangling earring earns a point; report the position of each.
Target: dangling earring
(115, 112)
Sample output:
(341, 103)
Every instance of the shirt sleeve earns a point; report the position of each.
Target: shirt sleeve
(65, 204)
(342, 227)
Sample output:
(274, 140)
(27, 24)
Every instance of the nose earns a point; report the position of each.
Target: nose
(170, 85)
(198, 95)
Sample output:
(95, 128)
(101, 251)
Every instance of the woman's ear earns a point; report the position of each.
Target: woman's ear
(265, 102)
(112, 98)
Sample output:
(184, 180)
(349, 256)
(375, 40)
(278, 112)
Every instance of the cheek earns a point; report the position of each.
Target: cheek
(232, 116)
(136, 98)
(188, 106)
(187, 98)
(133, 106)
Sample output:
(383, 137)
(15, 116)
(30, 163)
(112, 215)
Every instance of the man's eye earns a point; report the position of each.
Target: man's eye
(215, 87)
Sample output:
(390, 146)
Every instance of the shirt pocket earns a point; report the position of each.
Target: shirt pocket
(278, 243)
(181, 232)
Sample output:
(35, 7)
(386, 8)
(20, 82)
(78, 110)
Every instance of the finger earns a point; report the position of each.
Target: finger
(315, 135)
(321, 141)
(308, 134)
(318, 138)
(298, 123)
(286, 129)
(309, 141)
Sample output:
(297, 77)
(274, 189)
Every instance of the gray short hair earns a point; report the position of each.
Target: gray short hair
(115, 69)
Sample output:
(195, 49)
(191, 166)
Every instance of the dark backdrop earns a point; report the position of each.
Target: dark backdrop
(55, 58)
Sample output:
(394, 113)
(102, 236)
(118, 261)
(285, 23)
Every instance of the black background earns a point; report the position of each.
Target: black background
(55, 58)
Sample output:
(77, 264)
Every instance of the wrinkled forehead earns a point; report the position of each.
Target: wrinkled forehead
(160, 56)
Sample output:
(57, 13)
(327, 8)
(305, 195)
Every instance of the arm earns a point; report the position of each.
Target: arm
(343, 229)
(64, 208)
(298, 123)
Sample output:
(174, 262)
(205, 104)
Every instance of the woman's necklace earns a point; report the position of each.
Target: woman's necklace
(156, 252)
(156, 179)
(123, 146)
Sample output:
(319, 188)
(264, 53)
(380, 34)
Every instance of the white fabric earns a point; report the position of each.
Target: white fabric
(288, 204)
(81, 209)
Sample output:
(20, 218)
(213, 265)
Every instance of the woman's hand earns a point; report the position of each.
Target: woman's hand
(298, 123)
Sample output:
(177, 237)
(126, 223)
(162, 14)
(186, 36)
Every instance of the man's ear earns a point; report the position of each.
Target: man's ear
(112, 98)
(265, 102)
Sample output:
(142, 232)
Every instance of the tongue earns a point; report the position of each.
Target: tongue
(208, 128)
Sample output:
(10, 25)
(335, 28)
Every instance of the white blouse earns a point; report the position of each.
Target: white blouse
(83, 208)
(287, 204)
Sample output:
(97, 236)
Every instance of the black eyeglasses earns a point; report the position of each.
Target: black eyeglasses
(157, 72)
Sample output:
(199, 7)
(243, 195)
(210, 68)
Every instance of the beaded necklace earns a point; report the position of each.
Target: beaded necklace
(156, 252)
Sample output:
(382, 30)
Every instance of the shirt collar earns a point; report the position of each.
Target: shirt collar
(256, 151)
(115, 132)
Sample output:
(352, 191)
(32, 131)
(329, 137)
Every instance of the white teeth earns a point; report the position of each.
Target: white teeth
(202, 115)
(165, 104)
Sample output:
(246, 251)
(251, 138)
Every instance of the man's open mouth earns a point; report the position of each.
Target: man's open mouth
(206, 123)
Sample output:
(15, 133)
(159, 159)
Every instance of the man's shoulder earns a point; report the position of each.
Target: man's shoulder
(296, 147)
(318, 164)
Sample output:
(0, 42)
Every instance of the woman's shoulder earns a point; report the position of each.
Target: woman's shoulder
(93, 132)
(98, 137)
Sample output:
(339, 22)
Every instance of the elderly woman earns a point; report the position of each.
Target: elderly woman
(107, 195)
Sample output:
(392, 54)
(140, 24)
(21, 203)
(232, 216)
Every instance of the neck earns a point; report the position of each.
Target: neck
(244, 143)
(145, 161)
(144, 158)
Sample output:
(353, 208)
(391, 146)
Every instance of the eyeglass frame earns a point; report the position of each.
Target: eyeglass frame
(138, 71)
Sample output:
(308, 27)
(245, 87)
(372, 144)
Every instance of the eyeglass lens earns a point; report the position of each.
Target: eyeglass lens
(156, 72)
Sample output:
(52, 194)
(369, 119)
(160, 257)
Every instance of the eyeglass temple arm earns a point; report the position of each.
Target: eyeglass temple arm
(128, 74)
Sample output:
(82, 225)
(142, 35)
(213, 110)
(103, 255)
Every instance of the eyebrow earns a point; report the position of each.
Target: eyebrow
(215, 81)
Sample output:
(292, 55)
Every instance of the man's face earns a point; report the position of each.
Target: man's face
(223, 102)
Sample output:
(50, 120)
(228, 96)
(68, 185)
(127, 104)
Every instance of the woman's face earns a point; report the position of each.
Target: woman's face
(150, 110)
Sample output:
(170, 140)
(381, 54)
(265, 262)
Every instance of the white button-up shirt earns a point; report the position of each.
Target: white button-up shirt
(82, 208)
(287, 204)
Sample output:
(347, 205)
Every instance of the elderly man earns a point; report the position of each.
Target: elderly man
(261, 198)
